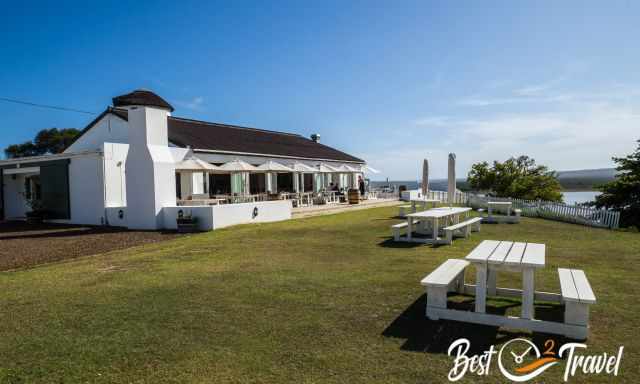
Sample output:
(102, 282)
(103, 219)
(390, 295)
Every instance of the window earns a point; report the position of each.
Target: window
(219, 184)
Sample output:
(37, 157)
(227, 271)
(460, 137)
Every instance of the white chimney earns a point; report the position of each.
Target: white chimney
(150, 169)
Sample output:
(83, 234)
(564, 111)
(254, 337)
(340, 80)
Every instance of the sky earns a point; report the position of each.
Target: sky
(392, 82)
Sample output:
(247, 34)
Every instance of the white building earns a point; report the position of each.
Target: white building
(127, 168)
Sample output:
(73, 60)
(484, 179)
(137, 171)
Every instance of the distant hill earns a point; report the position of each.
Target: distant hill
(603, 173)
(580, 180)
(585, 179)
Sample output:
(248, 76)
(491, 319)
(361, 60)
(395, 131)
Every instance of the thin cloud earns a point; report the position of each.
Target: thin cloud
(543, 93)
(195, 104)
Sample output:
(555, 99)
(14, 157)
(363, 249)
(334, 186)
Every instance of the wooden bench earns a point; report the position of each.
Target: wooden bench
(403, 210)
(449, 276)
(467, 225)
(577, 295)
(395, 229)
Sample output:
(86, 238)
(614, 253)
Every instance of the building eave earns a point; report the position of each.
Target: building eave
(17, 162)
(276, 156)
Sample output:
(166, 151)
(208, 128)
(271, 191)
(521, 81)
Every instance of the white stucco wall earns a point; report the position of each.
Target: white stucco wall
(226, 215)
(150, 169)
(14, 202)
(115, 157)
(86, 192)
(110, 129)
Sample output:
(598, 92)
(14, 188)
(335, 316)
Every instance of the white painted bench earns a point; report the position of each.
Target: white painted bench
(403, 210)
(449, 276)
(395, 229)
(467, 225)
(577, 295)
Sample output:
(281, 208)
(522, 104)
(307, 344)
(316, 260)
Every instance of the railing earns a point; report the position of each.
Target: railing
(577, 214)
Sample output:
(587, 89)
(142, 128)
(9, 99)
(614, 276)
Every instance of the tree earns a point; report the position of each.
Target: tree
(623, 193)
(47, 141)
(517, 177)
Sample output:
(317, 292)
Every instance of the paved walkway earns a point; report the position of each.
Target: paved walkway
(328, 209)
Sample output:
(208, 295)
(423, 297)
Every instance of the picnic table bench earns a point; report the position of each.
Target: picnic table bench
(465, 228)
(449, 276)
(491, 256)
(398, 227)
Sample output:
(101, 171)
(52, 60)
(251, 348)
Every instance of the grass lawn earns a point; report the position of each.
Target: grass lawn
(319, 300)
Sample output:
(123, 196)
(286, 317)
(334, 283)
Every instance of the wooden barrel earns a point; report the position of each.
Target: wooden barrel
(354, 196)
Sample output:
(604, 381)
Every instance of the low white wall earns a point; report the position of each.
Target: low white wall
(116, 216)
(221, 216)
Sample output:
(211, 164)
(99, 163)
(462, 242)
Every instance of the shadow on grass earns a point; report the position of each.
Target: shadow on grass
(424, 335)
(390, 243)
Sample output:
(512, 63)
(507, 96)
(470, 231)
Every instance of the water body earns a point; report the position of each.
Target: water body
(579, 197)
(570, 198)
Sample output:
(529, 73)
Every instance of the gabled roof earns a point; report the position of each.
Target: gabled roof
(201, 135)
(141, 97)
(223, 138)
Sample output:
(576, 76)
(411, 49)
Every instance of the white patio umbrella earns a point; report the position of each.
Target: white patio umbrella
(451, 186)
(425, 177)
(303, 168)
(237, 166)
(239, 169)
(272, 166)
(348, 169)
(368, 169)
(325, 168)
(195, 165)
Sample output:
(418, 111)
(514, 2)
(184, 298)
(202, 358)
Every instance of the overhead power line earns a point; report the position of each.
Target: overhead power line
(16, 101)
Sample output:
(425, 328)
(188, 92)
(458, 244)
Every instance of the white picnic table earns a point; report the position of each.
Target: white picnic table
(423, 202)
(492, 256)
(499, 205)
(434, 216)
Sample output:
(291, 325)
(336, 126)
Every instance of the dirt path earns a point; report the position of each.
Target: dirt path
(27, 245)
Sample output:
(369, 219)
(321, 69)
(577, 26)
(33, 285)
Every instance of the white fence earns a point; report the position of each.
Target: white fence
(577, 214)
(459, 198)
